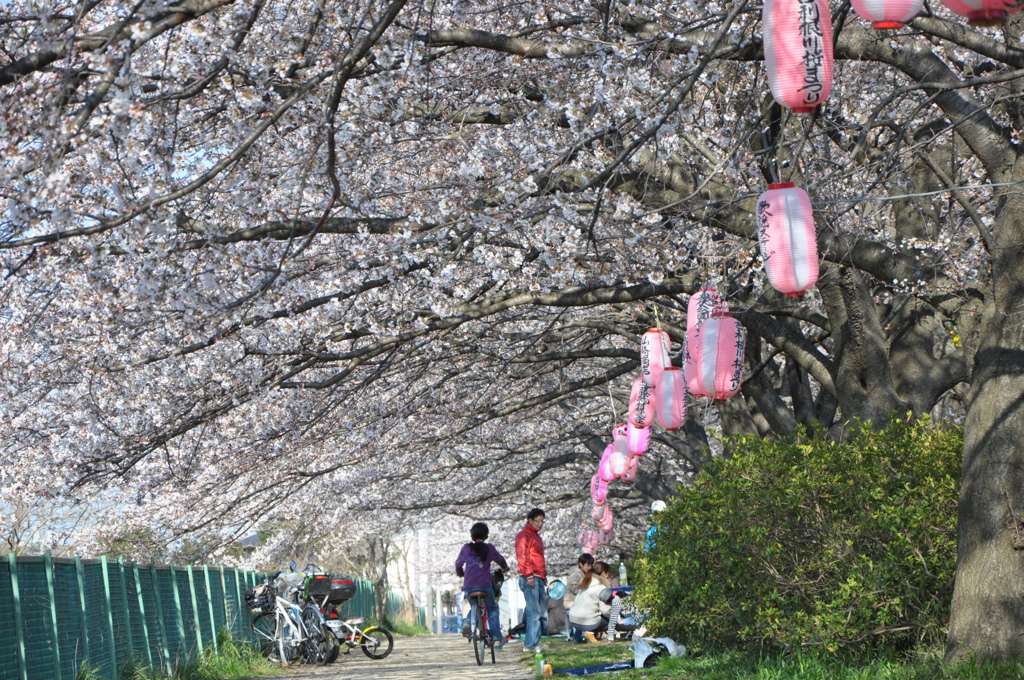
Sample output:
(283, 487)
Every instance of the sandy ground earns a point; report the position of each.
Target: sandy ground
(422, 657)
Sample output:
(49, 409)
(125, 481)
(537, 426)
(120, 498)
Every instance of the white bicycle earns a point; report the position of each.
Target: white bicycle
(286, 631)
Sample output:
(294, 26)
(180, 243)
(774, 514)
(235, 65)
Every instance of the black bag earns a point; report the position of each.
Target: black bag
(316, 587)
(261, 598)
(497, 579)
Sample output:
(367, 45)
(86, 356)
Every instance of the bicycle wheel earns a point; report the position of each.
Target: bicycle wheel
(479, 637)
(273, 639)
(376, 642)
(335, 646)
(318, 645)
(264, 627)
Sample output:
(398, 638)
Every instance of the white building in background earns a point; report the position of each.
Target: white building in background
(425, 568)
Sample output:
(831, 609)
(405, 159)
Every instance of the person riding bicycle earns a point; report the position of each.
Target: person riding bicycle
(474, 564)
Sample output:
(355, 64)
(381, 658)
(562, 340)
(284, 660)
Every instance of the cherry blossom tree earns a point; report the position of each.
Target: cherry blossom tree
(378, 263)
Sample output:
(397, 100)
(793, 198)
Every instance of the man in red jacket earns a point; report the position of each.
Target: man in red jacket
(532, 575)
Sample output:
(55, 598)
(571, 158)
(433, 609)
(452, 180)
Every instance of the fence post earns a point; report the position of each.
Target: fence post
(224, 601)
(195, 609)
(19, 634)
(48, 567)
(80, 576)
(177, 609)
(124, 608)
(160, 615)
(115, 667)
(142, 612)
(209, 605)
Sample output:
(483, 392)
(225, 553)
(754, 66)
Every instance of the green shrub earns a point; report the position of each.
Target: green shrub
(804, 542)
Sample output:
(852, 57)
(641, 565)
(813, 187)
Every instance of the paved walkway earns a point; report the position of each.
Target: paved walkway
(421, 657)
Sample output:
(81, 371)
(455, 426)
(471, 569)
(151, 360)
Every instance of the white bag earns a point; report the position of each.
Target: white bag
(643, 648)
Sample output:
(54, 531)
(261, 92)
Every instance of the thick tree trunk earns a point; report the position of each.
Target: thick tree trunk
(987, 616)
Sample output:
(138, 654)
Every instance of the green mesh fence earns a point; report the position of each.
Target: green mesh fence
(62, 613)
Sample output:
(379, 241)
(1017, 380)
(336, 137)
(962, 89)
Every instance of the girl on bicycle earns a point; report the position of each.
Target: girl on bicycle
(474, 564)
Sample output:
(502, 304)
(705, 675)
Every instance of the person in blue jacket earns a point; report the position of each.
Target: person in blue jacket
(656, 507)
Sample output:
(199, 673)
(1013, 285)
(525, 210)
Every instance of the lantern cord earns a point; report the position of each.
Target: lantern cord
(707, 405)
(657, 319)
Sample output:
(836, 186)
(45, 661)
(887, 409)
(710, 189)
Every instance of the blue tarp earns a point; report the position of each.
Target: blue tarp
(592, 670)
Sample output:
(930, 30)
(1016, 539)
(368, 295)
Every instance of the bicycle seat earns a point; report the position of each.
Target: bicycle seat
(477, 593)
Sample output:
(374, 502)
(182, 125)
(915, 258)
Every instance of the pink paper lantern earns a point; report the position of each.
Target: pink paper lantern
(654, 355)
(719, 357)
(703, 304)
(631, 468)
(671, 404)
(798, 52)
(604, 537)
(606, 521)
(619, 457)
(598, 490)
(598, 512)
(604, 470)
(637, 439)
(590, 545)
(984, 12)
(887, 13)
(641, 404)
(581, 537)
(785, 230)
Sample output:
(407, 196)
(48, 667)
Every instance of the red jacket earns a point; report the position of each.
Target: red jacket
(530, 552)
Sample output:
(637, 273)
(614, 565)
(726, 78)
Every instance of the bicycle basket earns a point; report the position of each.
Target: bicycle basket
(261, 598)
(497, 579)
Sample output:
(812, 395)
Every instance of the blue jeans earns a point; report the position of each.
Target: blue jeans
(493, 617)
(536, 609)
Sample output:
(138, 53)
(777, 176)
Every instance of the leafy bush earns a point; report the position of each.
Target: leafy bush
(806, 542)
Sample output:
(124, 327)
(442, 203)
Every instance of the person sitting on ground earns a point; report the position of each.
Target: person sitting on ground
(605, 571)
(474, 563)
(590, 610)
(572, 584)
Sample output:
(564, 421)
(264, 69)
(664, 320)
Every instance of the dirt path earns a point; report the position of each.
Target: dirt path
(422, 657)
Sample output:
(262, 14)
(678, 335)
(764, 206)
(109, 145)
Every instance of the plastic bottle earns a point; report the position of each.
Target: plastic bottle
(622, 574)
(540, 662)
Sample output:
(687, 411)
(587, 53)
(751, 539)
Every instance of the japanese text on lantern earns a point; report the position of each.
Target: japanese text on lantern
(814, 56)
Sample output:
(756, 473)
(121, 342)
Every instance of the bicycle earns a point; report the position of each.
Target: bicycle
(285, 631)
(376, 642)
(480, 635)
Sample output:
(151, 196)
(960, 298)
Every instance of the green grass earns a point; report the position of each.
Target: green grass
(233, 660)
(403, 628)
(728, 665)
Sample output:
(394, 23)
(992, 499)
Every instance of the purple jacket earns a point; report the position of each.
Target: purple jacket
(477, 572)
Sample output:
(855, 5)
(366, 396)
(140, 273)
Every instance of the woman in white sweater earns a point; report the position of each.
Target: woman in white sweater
(590, 610)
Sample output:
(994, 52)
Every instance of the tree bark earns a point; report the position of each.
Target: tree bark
(987, 616)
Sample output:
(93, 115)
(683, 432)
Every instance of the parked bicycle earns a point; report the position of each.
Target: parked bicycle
(286, 631)
(327, 593)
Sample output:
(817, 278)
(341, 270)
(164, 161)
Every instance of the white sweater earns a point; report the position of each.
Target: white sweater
(588, 609)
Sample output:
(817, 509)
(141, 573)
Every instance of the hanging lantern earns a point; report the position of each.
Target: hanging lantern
(598, 490)
(654, 355)
(719, 356)
(598, 512)
(641, 404)
(637, 439)
(631, 467)
(887, 13)
(703, 304)
(606, 521)
(581, 537)
(604, 470)
(984, 12)
(619, 457)
(671, 404)
(604, 537)
(590, 545)
(798, 52)
(785, 230)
